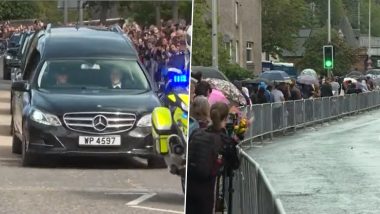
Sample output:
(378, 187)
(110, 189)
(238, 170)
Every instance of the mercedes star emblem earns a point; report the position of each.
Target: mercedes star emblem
(100, 122)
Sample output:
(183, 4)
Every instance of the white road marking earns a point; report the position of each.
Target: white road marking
(141, 199)
(157, 209)
(125, 193)
(10, 159)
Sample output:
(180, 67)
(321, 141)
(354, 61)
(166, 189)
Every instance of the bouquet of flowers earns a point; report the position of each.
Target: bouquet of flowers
(241, 124)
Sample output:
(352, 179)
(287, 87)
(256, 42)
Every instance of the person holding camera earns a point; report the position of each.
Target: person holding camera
(207, 155)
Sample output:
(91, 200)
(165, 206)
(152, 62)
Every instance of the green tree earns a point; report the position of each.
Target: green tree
(375, 16)
(344, 56)
(18, 10)
(337, 12)
(202, 53)
(281, 20)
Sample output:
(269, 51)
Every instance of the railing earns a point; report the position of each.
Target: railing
(253, 193)
(276, 117)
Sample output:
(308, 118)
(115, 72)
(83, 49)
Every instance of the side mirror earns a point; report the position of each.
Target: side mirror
(20, 86)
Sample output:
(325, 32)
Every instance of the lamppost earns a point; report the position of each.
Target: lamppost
(214, 8)
(369, 62)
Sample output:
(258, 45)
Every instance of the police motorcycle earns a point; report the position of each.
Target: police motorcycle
(170, 122)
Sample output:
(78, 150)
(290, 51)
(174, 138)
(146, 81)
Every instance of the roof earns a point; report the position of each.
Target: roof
(71, 42)
(299, 42)
(304, 33)
(298, 48)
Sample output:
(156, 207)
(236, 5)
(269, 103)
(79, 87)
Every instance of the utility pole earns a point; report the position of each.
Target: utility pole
(214, 8)
(329, 22)
(369, 62)
(81, 12)
(65, 8)
(369, 28)
(329, 72)
(358, 15)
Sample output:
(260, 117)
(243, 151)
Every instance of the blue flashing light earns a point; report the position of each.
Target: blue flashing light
(180, 79)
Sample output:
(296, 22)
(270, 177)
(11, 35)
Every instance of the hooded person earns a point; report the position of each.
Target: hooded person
(267, 93)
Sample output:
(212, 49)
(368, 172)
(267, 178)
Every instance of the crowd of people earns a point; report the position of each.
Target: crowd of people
(7, 29)
(327, 87)
(211, 151)
(159, 47)
(214, 118)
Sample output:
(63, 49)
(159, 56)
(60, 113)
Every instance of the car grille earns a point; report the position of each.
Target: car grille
(99, 122)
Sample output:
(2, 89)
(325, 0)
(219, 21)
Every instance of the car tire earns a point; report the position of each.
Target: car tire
(16, 144)
(156, 163)
(27, 159)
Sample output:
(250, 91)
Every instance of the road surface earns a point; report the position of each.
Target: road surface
(329, 169)
(91, 185)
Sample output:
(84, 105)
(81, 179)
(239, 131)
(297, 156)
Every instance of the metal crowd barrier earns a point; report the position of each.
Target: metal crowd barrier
(270, 118)
(253, 193)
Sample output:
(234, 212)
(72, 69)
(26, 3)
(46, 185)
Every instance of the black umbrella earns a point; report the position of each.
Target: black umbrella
(256, 81)
(355, 74)
(276, 76)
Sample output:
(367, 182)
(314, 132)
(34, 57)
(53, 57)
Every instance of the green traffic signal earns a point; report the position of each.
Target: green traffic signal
(328, 56)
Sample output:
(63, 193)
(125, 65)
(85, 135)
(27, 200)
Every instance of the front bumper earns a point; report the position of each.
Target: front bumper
(60, 140)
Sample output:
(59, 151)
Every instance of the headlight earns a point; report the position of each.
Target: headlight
(45, 118)
(8, 56)
(145, 121)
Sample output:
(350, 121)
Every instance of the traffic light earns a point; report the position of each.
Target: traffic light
(328, 56)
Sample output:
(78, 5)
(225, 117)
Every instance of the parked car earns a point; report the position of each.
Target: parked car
(10, 54)
(3, 46)
(66, 102)
(15, 69)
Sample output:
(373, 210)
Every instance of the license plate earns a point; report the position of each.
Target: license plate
(99, 140)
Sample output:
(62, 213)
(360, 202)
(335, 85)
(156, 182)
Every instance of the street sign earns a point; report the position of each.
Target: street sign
(328, 56)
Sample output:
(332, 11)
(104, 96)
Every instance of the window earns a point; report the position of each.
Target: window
(229, 48)
(249, 52)
(31, 66)
(237, 51)
(236, 13)
(100, 75)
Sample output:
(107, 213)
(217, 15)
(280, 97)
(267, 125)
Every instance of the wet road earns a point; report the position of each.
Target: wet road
(81, 185)
(330, 169)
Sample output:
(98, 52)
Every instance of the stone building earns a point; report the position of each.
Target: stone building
(240, 25)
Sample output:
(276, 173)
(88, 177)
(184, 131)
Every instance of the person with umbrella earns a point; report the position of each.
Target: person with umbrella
(351, 87)
(335, 87)
(326, 89)
(230, 91)
(370, 83)
(239, 86)
(295, 93)
(203, 88)
(264, 87)
(277, 107)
